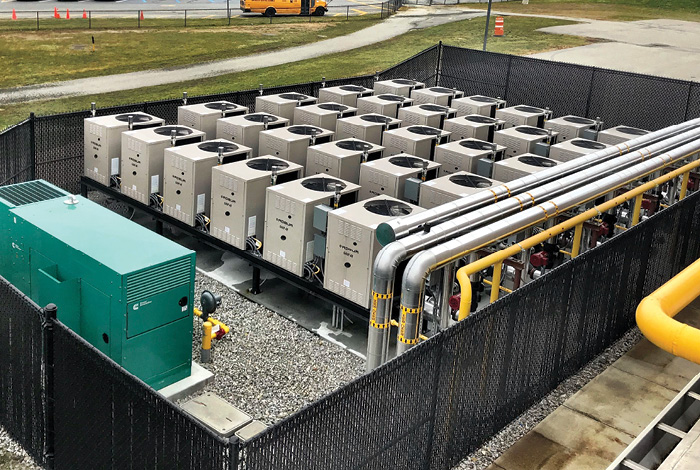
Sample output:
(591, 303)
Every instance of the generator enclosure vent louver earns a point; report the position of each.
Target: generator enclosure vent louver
(420, 141)
(283, 104)
(292, 143)
(388, 176)
(452, 187)
(464, 155)
(187, 176)
(523, 115)
(436, 95)
(384, 104)
(619, 134)
(143, 153)
(571, 127)
(238, 197)
(518, 167)
(368, 127)
(245, 130)
(398, 86)
(102, 142)
(351, 245)
(124, 289)
(342, 158)
(324, 115)
(345, 94)
(524, 139)
(478, 104)
(473, 126)
(426, 115)
(204, 116)
(289, 213)
(574, 148)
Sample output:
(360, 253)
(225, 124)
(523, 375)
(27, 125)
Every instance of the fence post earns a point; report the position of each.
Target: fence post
(37, 21)
(138, 18)
(47, 326)
(185, 18)
(32, 146)
(234, 446)
(90, 19)
(347, 12)
(433, 405)
(438, 66)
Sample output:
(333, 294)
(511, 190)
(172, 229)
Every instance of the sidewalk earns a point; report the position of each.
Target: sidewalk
(402, 22)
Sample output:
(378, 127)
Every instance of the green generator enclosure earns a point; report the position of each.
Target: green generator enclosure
(126, 290)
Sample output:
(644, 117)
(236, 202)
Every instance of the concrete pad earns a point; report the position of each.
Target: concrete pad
(583, 434)
(662, 32)
(199, 378)
(216, 413)
(535, 451)
(667, 62)
(621, 400)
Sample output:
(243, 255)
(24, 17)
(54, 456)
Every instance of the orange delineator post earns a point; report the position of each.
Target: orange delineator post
(141, 15)
(499, 26)
(14, 14)
(67, 14)
(55, 13)
(85, 15)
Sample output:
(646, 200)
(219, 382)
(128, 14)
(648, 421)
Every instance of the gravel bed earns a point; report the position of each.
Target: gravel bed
(268, 366)
(12, 456)
(489, 452)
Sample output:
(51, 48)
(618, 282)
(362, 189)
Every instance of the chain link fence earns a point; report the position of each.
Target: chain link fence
(72, 408)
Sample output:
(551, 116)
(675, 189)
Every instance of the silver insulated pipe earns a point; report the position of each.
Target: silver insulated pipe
(403, 226)
(421, 265)
(390, 257)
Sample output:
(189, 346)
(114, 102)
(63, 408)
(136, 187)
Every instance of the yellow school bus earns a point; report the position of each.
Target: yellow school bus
(285, 7)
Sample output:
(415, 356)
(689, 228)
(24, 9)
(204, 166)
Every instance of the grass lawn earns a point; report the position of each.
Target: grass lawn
(31, 57)
(613, 10)
(522, 39)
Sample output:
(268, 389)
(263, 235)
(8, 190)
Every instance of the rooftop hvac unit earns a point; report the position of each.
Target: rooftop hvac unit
(473, 125)
(525, 139)
(187, 177)
(570, 127)
(523, 115)
(420, 141)
(291, 143)
(142, 159)
(124, 289)
(452, 187)
(388, 176)
(238, 198)
(436, 95)
(245, 130)
(574, 148)
(619, 134)
(513, 168)
(341, 158)
(368, 127)
(289, 218)
(204, 116)
(464, 155)
(386, 105)
(351, 245)
(282, 105)
(432, 115)
(323, 115)
(103, 142)
(478, 104)
(344, 94)
(398, 86)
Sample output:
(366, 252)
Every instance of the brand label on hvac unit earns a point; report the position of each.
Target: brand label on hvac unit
(114, 170)
(200, 203)
(138, 305)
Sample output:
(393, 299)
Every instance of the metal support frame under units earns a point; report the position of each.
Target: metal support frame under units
(257, 262)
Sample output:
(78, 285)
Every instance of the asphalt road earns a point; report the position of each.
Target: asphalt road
(131, 5)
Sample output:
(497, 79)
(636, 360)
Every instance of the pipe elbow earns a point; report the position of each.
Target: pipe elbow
(414, 277)
(387, 261)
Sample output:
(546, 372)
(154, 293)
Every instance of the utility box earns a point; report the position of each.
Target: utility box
(124, 289)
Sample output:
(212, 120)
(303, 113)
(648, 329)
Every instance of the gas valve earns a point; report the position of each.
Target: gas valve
(454, 301)
(603, 229)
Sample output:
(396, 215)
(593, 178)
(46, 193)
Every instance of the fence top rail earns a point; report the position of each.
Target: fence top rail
(574, 65)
